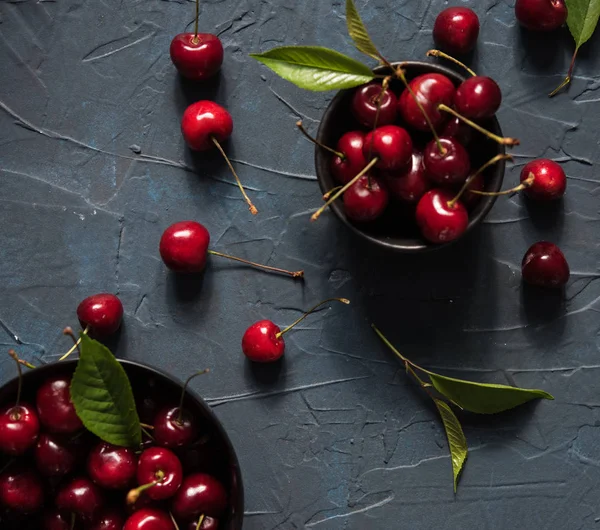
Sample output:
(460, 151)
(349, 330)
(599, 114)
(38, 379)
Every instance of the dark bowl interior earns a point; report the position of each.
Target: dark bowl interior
(393, 230)
(152, 389)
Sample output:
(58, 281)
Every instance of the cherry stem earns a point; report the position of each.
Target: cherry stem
(384, 85)
(15, 357)
(27, 364)
(310, 311)
(400, 74)
(316, 215)
(317, 143)
(200, 521)
(293, 274)
(326, 195)
(179, 419)
(73, 519)
(135, 493)
(567, 79)
(68, 331)
(175, 525)
(251, 206)
(491, 135)
(195, 39)
(438, 53)
(528, 182)
(465, 186)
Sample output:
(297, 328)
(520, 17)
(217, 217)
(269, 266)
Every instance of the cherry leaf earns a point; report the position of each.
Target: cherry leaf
(456, 439)
(315, 68)
(102, 396)
(358, 32)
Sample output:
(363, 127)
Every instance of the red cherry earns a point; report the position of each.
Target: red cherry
(351, 146)
(204, 120)
(365, 200)
(197, 57)
(438, 220)
(55, 455)
(261, 344)
(21, 491)
(102, 312)
(81, 497)
(541, 15)
(208, 523)
(411, 184)
(431, 90)
(549, 183)
(200, 494)
(184, 246)
(149, 519)
(459, 130)
(545, 265)
(110, 519)
(456, 30)
(19, 428)
(56, 521)
(391, 144)
(364, 105)
(55, 408)
(451, 167)
(174, 429)
(478, 97)
(162, 468)
(111, 467)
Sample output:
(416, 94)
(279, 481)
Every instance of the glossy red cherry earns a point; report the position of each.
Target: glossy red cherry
(391, 144)
(21, 491)
(438, 220)
(365, 103)
(541, 15)
(450, 167)
(545, 265)
(204, 120)
(351, 146)
(102, 312)
(197, 57)
(200, 494)
(81, 497)
(261, 344)
(109, 519)
(149, 519)
(478, 97)
(111, 467)
(56, 455)
(184, 246)
(56, 520)
(19, 428)
(459, 130)
(411, 184)
(366, 199)
(174, 427)
(162, 468)
(208, 523)
(55, 408)
(456, 30)
(431, 90)
(550, 181)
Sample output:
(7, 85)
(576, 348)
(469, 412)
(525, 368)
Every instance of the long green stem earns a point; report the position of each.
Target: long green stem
(567, 79)
(293, 274)
(523, 186)
(68, 331)
(15, 357)
(285, 330)
(438, 53)
(183, 391)
(200, 521)
(317, 143)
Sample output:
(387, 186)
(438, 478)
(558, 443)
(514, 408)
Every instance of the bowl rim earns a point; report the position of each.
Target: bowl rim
(425, 246)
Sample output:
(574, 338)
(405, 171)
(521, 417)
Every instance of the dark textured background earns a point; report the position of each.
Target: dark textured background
(93, 169)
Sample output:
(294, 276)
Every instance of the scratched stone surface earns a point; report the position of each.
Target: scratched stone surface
(93, 168)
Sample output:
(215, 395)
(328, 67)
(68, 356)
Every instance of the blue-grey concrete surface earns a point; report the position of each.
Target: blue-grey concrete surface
(93, 168)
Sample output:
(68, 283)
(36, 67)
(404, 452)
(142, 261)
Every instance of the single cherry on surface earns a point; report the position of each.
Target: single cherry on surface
(451, 166)
(111, 467)
(366, 101)
(478, 97)
(108, 519)
(199, 494)
(391, 145)
(411, 184)
(456, 29)
(263, 341)
(55, 408)
(197, 56)
(541, 15)
(149, 519)
(366, 199)
(21, 490)
(351, 146)
(440, 218)
(81, 497)
(545, 265)
(159, 474)
(55, 454)
(102, 313)
(549, 179)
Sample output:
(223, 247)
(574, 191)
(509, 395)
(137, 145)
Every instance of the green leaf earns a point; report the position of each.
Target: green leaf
(102, 395)
(582, 19)
(315, 68)
(456, 438)
(358, 32)
(483, 398)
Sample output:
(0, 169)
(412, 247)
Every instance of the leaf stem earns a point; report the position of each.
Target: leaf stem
(567, 79)
(310, 311)
(293, 274)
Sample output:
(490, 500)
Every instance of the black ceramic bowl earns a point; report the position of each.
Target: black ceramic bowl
(391, 231)
(216, 456)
